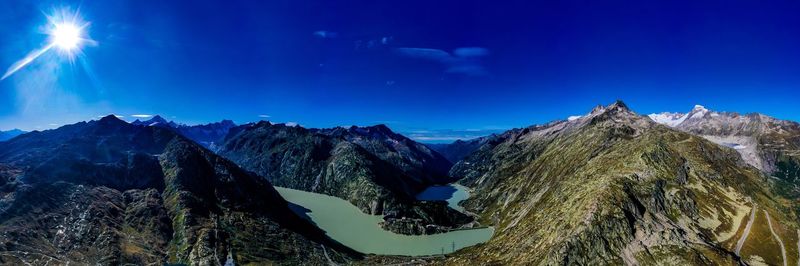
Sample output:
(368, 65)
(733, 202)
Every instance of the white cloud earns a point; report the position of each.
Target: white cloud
(291, 124)
(264, 116)
(142, 116)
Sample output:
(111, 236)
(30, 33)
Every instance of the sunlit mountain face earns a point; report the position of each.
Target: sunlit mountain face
(399, 132)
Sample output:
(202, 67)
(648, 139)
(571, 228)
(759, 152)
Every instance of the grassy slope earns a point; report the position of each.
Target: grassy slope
(608, 192)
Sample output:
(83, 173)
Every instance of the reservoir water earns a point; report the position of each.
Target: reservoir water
(452, 193)
(347, 224)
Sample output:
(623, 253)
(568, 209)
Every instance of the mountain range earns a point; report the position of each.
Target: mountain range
(609, 187)
(614, 187)
(207, 135)
(110, 192)
(766, 143)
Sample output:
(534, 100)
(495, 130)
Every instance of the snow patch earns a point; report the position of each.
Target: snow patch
(574, 117)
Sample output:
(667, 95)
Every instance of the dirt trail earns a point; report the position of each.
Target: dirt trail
(783, 249)
(747, 227)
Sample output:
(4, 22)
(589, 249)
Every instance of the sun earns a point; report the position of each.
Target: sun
(66, 36)
(67, 32)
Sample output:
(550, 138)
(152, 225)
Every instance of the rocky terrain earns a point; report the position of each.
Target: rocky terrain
(613, 187)
(378, 171)
(769, 144)
(108, 192)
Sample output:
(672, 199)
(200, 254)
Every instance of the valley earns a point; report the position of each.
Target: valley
(344, 223)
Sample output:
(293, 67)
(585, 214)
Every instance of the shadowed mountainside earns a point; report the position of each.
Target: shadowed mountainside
(110, 192)
(380, 172)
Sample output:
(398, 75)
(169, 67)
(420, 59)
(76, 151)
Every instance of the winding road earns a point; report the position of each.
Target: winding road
(783, 249)
(747, 228)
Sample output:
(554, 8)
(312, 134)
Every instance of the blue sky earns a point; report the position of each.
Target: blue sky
(434, 69)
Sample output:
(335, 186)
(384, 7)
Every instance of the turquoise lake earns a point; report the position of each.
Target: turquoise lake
(347, 224)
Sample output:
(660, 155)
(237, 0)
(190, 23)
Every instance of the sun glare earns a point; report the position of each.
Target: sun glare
(67, 33)
(66, 36)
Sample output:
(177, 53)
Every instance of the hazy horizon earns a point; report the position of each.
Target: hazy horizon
(415, 66)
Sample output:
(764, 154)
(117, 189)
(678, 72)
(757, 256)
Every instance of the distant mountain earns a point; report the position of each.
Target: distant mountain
(109, 192)
(415, 159)
(769, 144)
(459, 149)
(208, 135)
(6, 135)
(380, 172)
(613, 187)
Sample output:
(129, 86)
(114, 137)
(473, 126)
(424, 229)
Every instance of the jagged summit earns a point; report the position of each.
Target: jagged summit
(156, 120)
(111, 119)
(619, 105)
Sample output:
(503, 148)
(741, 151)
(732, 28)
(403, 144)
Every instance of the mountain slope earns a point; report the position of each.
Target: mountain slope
(612, 187)
(109, 192)
(378, 171)
(769, 144)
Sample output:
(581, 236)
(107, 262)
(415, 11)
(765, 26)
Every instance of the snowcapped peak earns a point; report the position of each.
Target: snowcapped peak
(675, 119)
(698, 111)
(669, 119)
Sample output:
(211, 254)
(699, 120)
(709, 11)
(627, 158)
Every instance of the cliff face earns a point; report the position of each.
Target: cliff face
(113, 193)
(373, 168)
(616, 188)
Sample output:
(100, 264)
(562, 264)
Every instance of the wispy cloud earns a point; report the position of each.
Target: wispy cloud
(264, 116)
(324, 34)
(142, 116)
(464, 60)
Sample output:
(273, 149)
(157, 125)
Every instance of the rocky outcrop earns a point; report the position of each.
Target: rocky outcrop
(425, 217)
